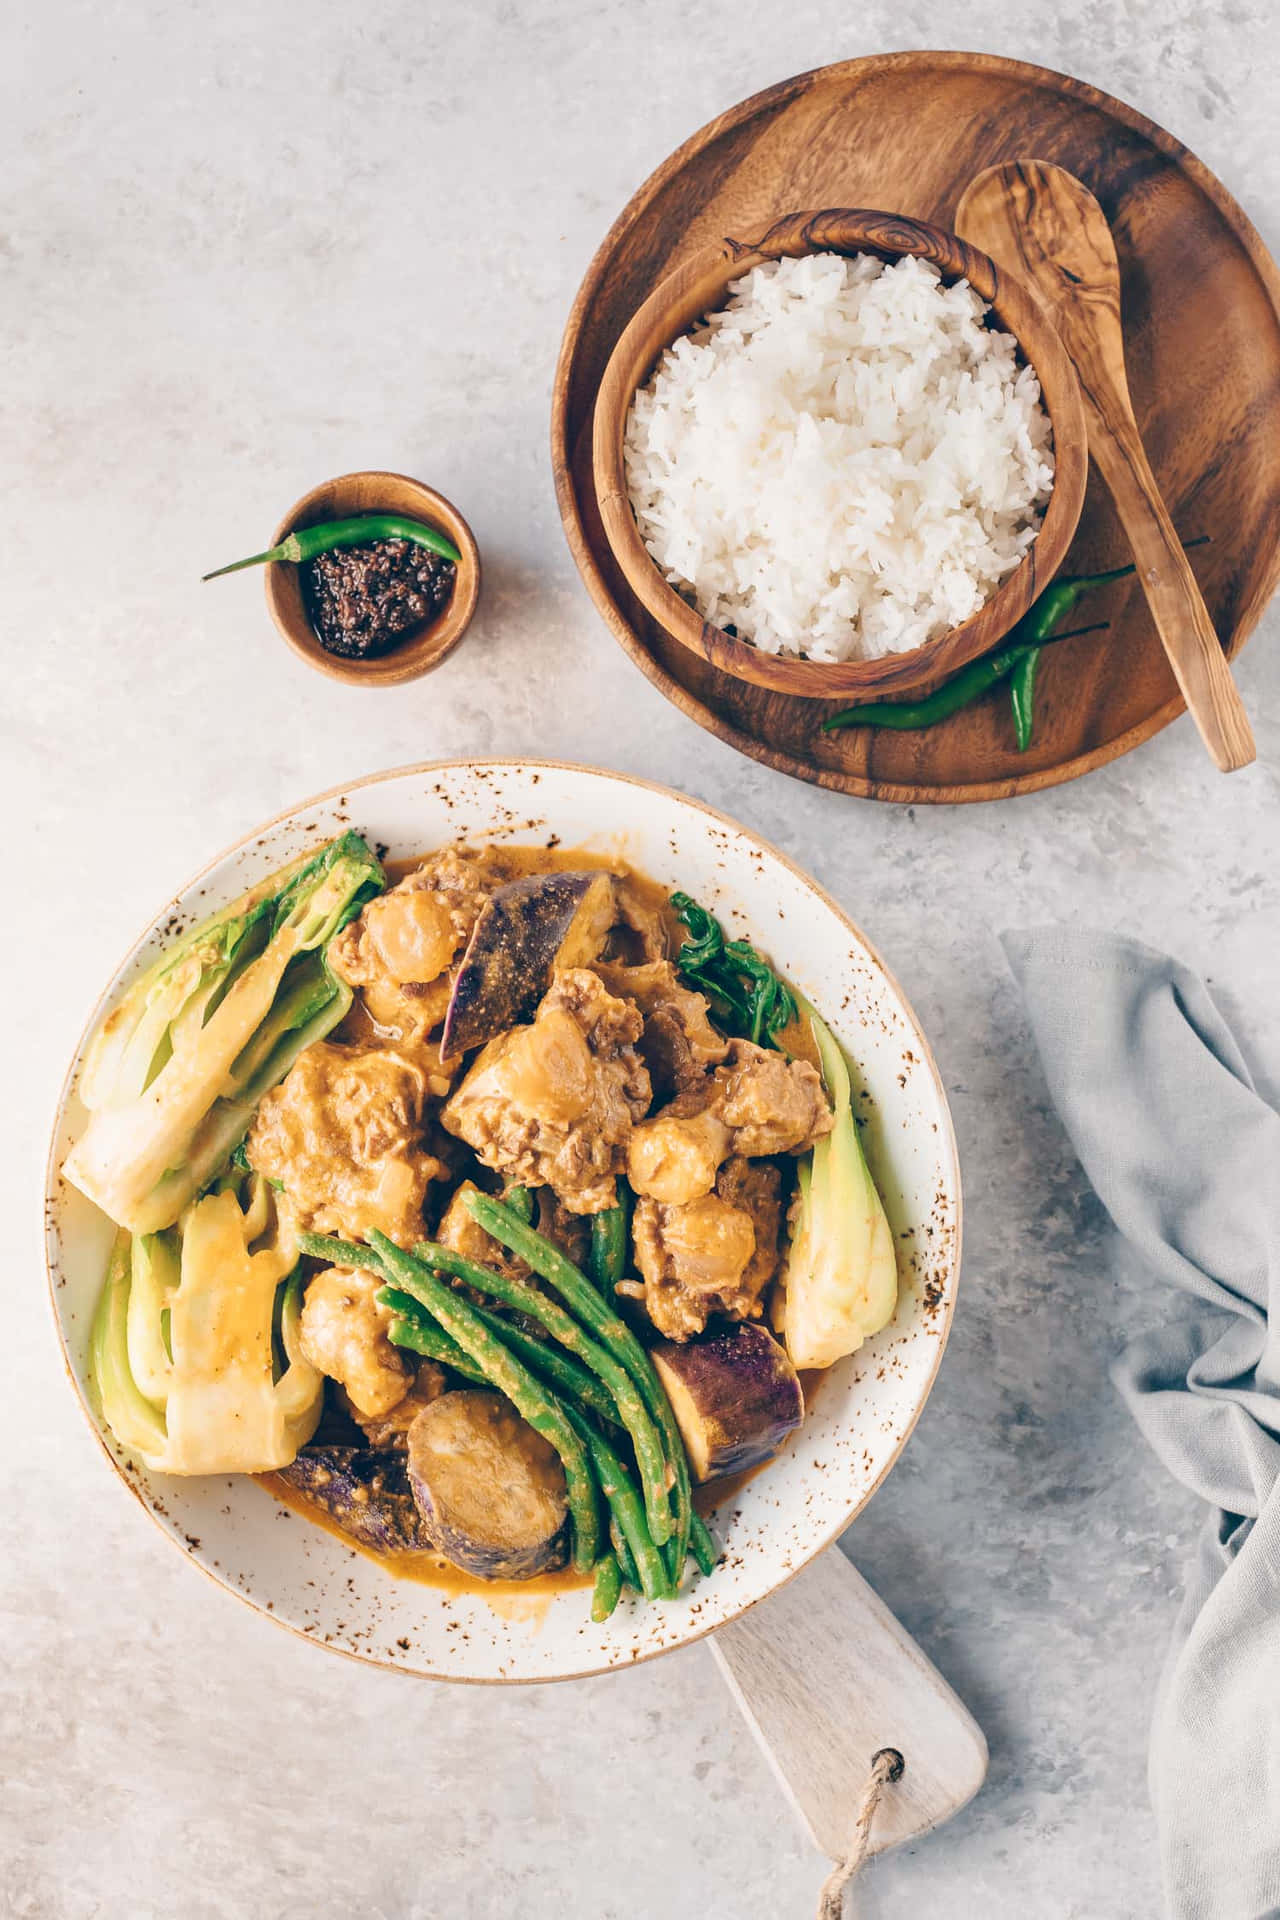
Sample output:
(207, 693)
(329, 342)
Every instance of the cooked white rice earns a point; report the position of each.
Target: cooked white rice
(842, 462)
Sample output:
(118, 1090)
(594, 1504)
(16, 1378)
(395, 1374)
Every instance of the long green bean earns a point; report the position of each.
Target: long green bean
(607, 1261)
(632, 1411)
(702, 1543)
(532, 1401)
(551, 1265)
(607, 1590)
(413, 1329)
(626, 1508)
(558, 1368)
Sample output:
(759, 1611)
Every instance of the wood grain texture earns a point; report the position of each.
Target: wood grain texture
(1201, 299)
(826, 1676)
(423, 648)
(1040, 222)
(701, 284)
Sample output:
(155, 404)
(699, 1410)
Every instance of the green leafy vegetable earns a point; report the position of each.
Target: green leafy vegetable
(195, 1352)
(841, 1281)
(746, 995)
(174, 1073)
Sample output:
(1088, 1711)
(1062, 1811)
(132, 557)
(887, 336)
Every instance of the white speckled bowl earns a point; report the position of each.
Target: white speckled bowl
(306, 1579)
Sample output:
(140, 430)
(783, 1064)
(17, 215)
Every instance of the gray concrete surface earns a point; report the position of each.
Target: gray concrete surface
(242, 248)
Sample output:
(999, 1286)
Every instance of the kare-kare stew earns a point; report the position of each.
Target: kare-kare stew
(489, 1211)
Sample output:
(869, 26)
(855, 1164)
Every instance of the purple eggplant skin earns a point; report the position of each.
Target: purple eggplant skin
(525, 931)
(735, 1396)
(491, 1491)
(365, 1492)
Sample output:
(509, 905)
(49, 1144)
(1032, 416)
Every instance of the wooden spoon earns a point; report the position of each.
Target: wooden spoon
(1041, 224)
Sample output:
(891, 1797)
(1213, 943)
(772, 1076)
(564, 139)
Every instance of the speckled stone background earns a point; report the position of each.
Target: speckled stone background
(246, 247)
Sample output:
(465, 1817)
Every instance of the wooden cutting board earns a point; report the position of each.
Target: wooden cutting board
(826, 1677)
(906, 132)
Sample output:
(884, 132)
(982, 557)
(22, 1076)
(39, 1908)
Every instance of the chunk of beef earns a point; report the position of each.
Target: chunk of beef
(343, 1136)
(679, 1045)
(756, 1102)
(343, 1332)
(553, 1104)
(399, 950)
(713, 1255)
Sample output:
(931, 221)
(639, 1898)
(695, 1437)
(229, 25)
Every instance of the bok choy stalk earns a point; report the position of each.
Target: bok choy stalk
(195, 1352)
(841, 1279)
(174, 1073)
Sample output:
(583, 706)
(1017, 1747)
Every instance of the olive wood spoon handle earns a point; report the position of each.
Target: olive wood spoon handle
(1043, 226)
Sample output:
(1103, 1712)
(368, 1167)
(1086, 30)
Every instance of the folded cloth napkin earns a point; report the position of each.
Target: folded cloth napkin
(1185, 1156)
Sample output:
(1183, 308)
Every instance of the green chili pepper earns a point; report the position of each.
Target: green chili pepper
(1033, 631)
(963, 688)
(1022, 695)
(306, 542)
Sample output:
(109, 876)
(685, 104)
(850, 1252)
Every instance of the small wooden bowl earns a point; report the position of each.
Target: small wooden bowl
(701, 286)
(422, 648)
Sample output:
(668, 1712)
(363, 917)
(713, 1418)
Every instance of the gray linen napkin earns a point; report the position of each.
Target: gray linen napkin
(1185, 1156)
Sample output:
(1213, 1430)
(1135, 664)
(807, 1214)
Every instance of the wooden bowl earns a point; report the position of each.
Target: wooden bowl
(423, 647)
(700, 286)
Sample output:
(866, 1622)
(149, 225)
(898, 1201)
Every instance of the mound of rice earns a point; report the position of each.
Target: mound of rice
(842, 462)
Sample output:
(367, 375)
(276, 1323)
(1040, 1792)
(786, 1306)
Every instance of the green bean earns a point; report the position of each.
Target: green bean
(607, 1590)
(626, 1565)
(625, 1507)
(703, 1544)
(635, 1416)
(557, 1368)
(527, 1395)
(603, 1319)
(304, 543)
(412, 1329)
(1022, 695)
(608, 1258)
(339, 1253)
(520, 1200)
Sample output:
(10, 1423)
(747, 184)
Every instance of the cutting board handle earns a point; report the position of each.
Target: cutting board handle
(826, 1678)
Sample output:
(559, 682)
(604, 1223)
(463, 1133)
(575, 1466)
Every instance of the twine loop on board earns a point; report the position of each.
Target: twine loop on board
(887, 1766)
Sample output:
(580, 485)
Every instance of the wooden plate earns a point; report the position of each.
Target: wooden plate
(1201, 295)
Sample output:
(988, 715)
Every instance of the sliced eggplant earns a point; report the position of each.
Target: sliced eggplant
(527, 931)
(491, 1491)
(365, 1492)
(735, 1396)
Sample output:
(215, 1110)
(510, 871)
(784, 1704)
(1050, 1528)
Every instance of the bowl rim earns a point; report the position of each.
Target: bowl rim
(948, 1151)
(697, 287)
(426, 646)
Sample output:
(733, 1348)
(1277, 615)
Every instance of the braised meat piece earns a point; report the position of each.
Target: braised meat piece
(640, 932)
(713, 1255)
(343, 1333)
(679, 1044)
(754, 1187)
(389, 1431)
(675, 1156)
(771, 1104)
(553, 1104)
(756, 1102)
(399, 951)
(342, 1134)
